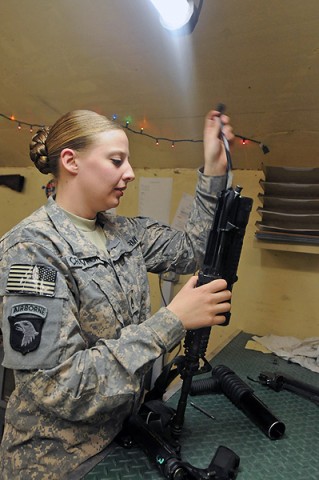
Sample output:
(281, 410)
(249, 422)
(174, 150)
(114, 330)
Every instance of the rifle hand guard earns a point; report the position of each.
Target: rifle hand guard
(225, 239)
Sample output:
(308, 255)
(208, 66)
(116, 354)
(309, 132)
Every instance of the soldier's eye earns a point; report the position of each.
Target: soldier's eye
(117, 161)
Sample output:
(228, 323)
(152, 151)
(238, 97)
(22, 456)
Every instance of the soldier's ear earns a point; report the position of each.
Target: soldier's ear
(69, 160)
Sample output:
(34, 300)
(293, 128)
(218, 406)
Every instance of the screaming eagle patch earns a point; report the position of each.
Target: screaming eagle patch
(26, 322)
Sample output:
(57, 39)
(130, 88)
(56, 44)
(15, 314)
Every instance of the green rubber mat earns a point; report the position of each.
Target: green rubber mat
(295, 456)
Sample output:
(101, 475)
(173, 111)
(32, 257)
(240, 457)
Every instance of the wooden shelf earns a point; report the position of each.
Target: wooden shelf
(290, 210)
(286, 247)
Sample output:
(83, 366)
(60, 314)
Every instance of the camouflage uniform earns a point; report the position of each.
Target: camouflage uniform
(78, 332)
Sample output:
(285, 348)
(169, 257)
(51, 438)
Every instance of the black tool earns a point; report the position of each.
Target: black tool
(279, 381)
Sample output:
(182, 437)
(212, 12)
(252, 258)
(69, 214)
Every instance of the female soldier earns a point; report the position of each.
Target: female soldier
(74, 296)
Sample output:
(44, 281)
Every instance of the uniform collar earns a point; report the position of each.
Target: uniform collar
(71, 234)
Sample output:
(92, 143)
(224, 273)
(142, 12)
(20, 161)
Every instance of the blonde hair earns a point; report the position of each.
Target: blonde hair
(76, 130)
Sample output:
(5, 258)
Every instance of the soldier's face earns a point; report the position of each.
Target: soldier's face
(104, 170)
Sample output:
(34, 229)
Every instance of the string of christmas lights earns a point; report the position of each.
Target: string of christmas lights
(172, 141)
(21, 122)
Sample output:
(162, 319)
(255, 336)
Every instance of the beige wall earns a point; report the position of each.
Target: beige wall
(277, 291)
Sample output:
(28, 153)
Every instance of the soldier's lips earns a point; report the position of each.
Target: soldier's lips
(120, 191)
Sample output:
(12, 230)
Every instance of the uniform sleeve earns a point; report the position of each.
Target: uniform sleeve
(99, 379)
(44, 344)
(182, 252)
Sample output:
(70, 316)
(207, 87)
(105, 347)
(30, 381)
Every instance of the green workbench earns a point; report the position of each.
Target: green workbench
(295, 456)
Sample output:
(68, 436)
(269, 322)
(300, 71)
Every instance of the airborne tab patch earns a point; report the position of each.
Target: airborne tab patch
(32, 280)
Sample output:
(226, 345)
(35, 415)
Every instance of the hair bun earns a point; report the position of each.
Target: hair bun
(38, 150)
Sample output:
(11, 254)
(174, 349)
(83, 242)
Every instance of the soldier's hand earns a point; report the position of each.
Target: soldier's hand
(202, 306)
(214, 150)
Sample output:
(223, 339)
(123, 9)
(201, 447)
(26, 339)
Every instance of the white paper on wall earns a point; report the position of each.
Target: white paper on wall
(155, 198)
(182, 212)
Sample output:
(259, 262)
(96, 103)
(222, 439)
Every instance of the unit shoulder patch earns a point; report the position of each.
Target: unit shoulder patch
(26, 322)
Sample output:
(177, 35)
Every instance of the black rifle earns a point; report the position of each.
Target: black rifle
(221, 261)
(160, 440)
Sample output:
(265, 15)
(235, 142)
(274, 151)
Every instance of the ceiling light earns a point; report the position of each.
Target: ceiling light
(176, 14)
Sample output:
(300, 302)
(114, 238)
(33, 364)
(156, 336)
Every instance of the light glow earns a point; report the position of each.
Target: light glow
(174, 14)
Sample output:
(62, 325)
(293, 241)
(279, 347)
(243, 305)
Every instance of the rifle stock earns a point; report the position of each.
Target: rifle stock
(15, 182)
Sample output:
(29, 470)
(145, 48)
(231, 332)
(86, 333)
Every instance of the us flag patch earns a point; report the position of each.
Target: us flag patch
(32, 280)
